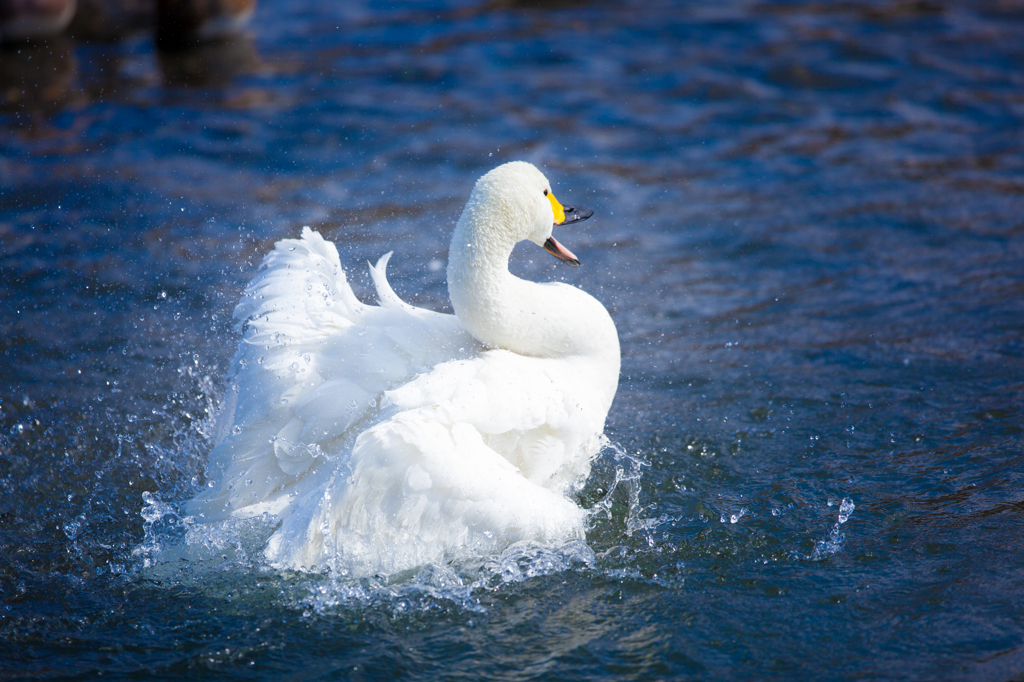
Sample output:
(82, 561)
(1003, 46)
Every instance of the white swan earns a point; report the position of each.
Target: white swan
(388, 437)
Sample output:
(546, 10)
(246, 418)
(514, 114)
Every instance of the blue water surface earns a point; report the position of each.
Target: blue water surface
(809, 230)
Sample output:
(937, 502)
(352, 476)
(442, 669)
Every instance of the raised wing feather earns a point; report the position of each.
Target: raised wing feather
(311, 370)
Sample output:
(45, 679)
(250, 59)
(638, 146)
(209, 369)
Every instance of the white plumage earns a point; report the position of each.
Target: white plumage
(387, 437)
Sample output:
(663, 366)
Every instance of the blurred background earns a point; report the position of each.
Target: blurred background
(808, 230)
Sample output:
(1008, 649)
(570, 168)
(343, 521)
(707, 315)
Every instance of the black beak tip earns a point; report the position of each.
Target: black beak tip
(576, 214)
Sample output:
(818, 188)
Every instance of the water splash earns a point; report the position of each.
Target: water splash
(526, 560)
(458, 585)
(622, 494)
(232, 546)
(735, 517)
(833, 542)
(226, 556)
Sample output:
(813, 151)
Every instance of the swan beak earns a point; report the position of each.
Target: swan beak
(560, 252)
(565, 215)
(575, 214)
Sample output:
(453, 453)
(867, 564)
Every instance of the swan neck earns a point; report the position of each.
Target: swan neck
(500, 310)
(479, 282)
(476, 246)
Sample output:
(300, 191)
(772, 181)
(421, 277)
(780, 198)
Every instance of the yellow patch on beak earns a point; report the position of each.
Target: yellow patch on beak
(557, 208)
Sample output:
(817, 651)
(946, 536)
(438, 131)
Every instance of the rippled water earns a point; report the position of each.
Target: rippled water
(809, 232)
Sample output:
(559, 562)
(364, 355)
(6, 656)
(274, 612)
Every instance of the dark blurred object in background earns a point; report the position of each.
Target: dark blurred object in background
(37, 75)
(110, 20)
(176, 22)
(184, 22)
(30, 19)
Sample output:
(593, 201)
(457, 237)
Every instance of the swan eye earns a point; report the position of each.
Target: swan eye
(545, 192)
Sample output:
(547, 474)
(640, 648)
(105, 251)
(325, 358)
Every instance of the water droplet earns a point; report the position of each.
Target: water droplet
(845, 509)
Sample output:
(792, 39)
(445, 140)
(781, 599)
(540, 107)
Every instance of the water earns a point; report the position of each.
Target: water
(808, 231)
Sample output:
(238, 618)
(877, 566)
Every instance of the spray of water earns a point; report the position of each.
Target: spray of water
(833, 542)
(225, 556)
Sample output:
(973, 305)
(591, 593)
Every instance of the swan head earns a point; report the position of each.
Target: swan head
(514, 203)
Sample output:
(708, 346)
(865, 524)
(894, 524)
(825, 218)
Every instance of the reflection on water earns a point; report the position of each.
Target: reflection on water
(808, 230)
(209, 64)
(42, 78)
(111, 20)
(37, 76)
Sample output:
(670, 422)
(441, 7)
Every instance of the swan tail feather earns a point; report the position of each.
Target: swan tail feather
(385, 294)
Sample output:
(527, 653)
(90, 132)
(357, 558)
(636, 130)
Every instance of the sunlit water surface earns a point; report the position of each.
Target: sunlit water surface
(809, 233)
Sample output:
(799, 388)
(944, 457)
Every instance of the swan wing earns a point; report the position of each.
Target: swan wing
(526, 409)
(473, 456)
(310, 373)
